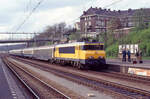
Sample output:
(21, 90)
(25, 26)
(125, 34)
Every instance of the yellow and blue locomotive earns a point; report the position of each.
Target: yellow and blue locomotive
(81, 54)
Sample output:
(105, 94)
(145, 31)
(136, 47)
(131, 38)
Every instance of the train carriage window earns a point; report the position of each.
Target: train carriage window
(67, 49)
(92, 47)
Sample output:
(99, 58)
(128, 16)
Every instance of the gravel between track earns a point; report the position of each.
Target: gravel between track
(111, 79)
(41, 74)
(63, 89)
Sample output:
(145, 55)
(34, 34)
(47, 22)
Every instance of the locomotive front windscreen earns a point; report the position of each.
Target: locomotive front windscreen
(92, 47)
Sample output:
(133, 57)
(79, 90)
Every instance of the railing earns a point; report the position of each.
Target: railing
(23, 37)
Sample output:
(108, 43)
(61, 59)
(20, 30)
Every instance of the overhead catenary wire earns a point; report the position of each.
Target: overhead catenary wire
(30, 14)
(22, 15)
(38, 4)
(113, 3)
(92, 2)
(28, 7)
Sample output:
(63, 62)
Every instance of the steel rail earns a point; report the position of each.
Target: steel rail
(108, 83)
(131, 77)
(49, 86)
(24, 83)
(56, 90)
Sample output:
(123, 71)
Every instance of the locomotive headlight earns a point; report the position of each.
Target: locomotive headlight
(91, 57)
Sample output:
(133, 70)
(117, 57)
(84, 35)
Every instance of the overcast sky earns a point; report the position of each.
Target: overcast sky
(13, 12)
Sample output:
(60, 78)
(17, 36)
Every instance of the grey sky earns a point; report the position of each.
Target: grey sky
(13, 12)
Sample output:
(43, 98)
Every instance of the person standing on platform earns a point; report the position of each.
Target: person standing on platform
(137, 55)
(140, 57)
(124, 55)
(129, 55)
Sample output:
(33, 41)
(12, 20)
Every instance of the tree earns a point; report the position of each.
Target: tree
(141, 18)
(113, 24)
(53, 32)
(109, 36)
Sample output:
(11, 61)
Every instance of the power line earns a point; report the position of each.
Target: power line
(113, 3)
(28, 5)
(84, 8)
(30, 14)
(92, 2)
(23, 15)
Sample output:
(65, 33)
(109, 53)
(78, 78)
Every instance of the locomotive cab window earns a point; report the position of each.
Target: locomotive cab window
(70, 50)
(92, 47)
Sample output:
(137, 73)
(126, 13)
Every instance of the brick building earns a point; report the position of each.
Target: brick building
(98, 20)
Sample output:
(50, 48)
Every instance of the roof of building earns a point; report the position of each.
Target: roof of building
(109, 12)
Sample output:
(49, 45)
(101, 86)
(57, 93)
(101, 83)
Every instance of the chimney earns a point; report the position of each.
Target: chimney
(129, 10)
(119, 11)
(84, 12)
(141, 9)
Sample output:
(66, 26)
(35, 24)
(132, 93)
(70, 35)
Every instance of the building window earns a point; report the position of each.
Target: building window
(82, 19)
(86, 18)
(89, 18)
(90, 23)
(130, 24)
(98, 23)
(98, 30)
(98, 17)
(103, 30)
(102, 23)
(85, 23)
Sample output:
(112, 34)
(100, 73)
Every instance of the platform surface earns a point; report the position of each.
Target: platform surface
(5, 92)
(9, 88)
(145, 64)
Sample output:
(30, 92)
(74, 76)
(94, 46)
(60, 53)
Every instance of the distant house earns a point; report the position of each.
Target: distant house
(97, 20)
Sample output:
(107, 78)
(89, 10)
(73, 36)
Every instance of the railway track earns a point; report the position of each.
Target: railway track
(129, 77)
(35, 96)
(49, 92)
(98, 84)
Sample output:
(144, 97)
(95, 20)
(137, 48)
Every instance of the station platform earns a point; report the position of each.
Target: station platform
(5, 92)
(9, 88)
(117, 65)
(144, 65)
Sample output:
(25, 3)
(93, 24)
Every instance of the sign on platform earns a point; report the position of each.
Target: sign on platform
(133, 48)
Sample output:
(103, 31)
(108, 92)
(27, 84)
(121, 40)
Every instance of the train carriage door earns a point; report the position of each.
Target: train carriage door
(78, 52)
(56, 52)
(53, 52)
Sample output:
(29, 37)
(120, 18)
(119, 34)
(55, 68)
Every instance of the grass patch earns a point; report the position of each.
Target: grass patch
(146, 58)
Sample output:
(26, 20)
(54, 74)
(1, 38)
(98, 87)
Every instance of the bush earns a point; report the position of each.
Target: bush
(148, 49)
(136, 36)
(112, 51)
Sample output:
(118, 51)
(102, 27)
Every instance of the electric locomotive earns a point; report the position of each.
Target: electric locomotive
(81, 54)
